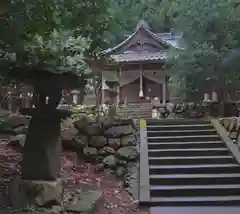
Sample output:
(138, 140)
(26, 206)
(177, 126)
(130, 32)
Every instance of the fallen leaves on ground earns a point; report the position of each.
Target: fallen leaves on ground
(74, 172)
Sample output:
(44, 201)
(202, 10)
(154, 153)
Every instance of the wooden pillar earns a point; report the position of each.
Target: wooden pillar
(118, 87)
(164, 91)
(102, 88)
(141, 95)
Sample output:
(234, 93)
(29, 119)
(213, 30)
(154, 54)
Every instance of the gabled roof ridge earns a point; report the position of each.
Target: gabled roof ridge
(157, 38)
(163, 41)
(109, 50)
(149, 32)
(143, 25)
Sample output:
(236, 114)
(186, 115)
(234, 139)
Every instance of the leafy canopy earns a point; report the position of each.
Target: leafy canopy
(210, 35)
(55, 32)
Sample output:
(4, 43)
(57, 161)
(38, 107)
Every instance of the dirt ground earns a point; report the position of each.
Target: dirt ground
(75, 172)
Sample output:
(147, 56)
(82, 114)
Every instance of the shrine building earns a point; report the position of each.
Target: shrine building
(137, 64)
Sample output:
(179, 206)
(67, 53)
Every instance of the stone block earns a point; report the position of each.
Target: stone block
(69, 134)
(114, 143)
(128, 153)
(15, 120)
(119, 131)
(233, 135)
(233, 124)
(128, 140)
(18, 140)
(98, 141)
(226, 123)
(37, 193)
(87, 202)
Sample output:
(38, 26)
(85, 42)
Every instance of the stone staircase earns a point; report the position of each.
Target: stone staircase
(186, 167)
(136, 110)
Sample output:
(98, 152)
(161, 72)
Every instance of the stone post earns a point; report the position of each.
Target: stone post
(75, 94)
(118, 95)
(154, 113)
(40, 182)
(26, 100)
(9, 101)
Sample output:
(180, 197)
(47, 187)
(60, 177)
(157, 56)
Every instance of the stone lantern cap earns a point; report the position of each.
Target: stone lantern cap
(112, 83)
(75, 92)
(33, 75)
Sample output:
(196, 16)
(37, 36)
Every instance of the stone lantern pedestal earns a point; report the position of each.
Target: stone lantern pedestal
(44, 154)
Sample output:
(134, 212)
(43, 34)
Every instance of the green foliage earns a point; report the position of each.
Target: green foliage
(210, 34)
(87, 114)
(127, 13)
(52, 32)
(60, 49)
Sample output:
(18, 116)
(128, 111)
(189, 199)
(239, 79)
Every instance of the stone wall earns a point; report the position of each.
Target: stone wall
(107, 145)
(110, 146)
(232, 125)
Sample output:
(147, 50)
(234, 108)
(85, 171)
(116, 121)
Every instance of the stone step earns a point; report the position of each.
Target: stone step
(196, 201)
(184, 138)
(197, 209)
(137, 104)
(181, 132)
(152, 122)
(194, 179)
(187, 152)
(195, 190)
(188, 164)
(179, 127)
(135, 109)
(224, 159)
(194, 169)
(186, 145)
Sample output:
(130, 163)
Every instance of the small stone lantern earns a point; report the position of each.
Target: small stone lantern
(214, 96)
(113, 93)
(75, 94)
(206, 97)
(155, 113)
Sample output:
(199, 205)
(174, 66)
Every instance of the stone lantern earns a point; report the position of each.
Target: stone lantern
(42, 150)
(214, 96)
(75, 94)
(113, 94)
(206, 97)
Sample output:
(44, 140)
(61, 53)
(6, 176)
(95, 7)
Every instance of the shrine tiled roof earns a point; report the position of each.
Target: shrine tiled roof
(137, 57)
(170, 39)
(143, 45)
